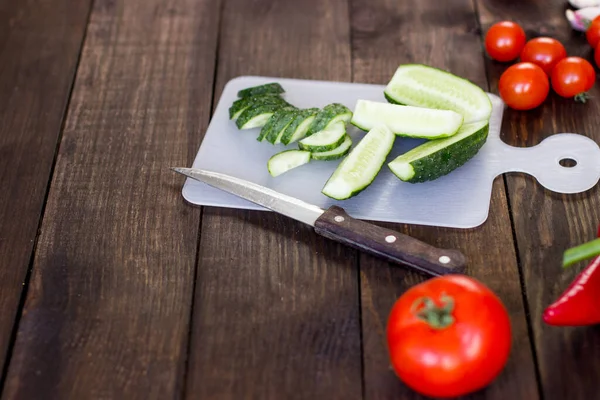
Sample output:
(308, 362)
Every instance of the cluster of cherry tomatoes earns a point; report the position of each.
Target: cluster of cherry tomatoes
(543, 62)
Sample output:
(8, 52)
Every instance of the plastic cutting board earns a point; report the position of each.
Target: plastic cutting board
(460, 199)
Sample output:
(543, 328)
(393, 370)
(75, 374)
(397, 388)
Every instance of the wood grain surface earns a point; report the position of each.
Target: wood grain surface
(107, 312)
(548, 223)
(276, 312)
(40, 43)
(385, 34)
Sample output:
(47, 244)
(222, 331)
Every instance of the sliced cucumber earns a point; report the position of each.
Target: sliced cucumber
(362, 165)
(299, 126)
(274, 137)
(271, 124)
(286, 160)
(240, 105)
(423, 86)
(271, 88)
(416, 122)
(256, 117)
(436, 158)
(325, 140)
(329, 115)
(336, 153)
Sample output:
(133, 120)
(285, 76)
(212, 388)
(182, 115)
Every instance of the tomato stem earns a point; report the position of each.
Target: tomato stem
(581, 97)
(436, 317)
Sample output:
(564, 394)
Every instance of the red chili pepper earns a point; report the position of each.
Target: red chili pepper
(580, 304)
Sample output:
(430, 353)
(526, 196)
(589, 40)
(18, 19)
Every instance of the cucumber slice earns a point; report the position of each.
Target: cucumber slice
(286, 119)
(436, 158)
(329, 115)
(270, 88)
(416, 122)
(286, 160)
(423, 86)
(325, 140)
(336, 153)
(272, 122)
(240, 105)
(362, 165)
(256, 117)
(299, 126)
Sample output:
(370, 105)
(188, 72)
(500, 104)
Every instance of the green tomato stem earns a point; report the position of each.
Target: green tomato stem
(582, 252)
(436, 317)
(581, 97)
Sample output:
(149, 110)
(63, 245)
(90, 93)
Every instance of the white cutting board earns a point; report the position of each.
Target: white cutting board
(460, 199)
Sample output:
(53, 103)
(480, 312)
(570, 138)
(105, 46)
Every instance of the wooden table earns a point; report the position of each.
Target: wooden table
(112, 287)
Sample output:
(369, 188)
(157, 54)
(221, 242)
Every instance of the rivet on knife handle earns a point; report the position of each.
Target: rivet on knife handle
(337, 225)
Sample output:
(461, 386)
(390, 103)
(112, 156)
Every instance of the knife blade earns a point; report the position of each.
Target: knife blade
(335, 224)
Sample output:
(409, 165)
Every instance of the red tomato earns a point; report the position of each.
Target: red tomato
(504, 41)
(448, 336)
(593, 32)
(572, 77)
(523, 86)
(544, 52)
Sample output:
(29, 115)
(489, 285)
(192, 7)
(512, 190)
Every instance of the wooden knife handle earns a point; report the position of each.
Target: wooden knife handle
(335, 224)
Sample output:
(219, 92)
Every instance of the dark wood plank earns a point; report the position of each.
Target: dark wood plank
(107, 313)
(276, 309)
(547, 223)
(385, 34)
(40, 43)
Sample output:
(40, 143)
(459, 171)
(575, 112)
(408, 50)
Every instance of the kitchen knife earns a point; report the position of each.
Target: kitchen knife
(334, 223)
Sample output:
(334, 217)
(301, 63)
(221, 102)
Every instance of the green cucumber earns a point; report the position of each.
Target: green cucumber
(336, 153)
(325, 140)
(269, 88)
(286, 160)
(423, 86)
(272, 123)
(416, 122)
(362, 165)
(299, 126)
(436, 158)
(329, 115)
(287, 116)
(256, 117)
(240, 105)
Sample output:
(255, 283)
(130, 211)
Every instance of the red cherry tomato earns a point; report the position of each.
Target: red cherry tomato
(572, 77)
(504, 41)
(593, 32)
(523, 86)
(544, 52)
(448, 336)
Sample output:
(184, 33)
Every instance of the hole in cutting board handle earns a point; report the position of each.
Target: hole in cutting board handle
(568, 162)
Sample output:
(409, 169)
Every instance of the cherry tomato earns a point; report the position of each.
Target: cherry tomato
(572, 77)
(504, 41)
(544, 52)
(448, 336)
(523, 86)
(593, 32)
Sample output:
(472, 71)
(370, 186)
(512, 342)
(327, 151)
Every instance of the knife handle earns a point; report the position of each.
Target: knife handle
(337, 225)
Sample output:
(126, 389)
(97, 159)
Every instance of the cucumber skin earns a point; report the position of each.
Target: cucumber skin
(291, 128)
(326, 115)
(266, 129)
(241, 105)
(317, 149)
(448, 159)
(287, 116)
(253, 112)
(391, 100)
(273, 88)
